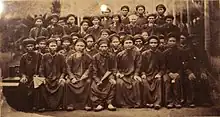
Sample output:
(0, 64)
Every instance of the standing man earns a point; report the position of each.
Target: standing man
(124, 15)
(160, 19)
(141, 20)
(54, 28)
(38, 30)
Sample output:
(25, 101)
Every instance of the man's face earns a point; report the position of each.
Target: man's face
(53, 46)
(115, 19)
(182, 38)
(38, 22)
(54, 20)
(85, 25)
(153, 43)
(138, 42)
(66, 43)
(160, 11)
(128, 44)
(80, 46)
(42, 45)
(172, 42)
(106, 13)
(115, 42)
(104, 35)
(71, 20)
(103, 47)
(58, 41)
(162, 42)
(95, 21)
(74, 38)
(30, 47)
(133, 19)
(145, 35)
(140, 10)
(151, 19)
(169, 20)
(124, 11)
(89, 42)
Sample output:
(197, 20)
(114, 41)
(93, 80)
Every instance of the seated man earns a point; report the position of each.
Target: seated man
(152, 71)
(53, 68)
(104, 71)
(128, 80)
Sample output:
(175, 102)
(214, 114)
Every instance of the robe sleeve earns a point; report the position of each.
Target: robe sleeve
(143, 62)
(22, 65)
(138, 61)
(63, 66)
(69, 63)
(42, 67)
(88, 70)
(95, 70)
(31, 33)
(161, 64)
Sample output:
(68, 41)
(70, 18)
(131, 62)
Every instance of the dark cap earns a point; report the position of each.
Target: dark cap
(161, 6)
(41, 38)
(28, 41)
(125, 6)
(138, 6)
(169, 16)
(66, 37)
(53, 16)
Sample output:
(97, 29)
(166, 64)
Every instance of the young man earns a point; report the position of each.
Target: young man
(173, 66)
(53, 68)
(106, 18)
(152, 71)
(84, 25)
(79, 66)
(139, 43)
(141, 20)
(96, 28)
(90, 48)
(104, 33)
(66, 46)
(132, 28)
(160, 19)
(104, 71)
(128, 80)
(29, 68)
(124, 15)
(115, 44)
(150, 27)
(71, 26)
(42, 45)
(162, 47)
(54, 28)
(116, 25)
(38, 30)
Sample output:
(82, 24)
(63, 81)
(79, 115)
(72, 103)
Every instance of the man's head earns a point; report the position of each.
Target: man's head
(41, 41)
(151, 18)
(138, 40)
(52, 44)
(71, 19)
(39, 21)
(140, 9)
(169, 19)
(103, 46)
(153, 42)
(116, 18)
(107, 12)
(54, 18)
(90, 40)
(115, 40)
(104, 33)
(80, 45)
(161, 9)
(124, 10)
(96, 20)
(84, 24)
(128, 42)
(29, 44)
(66, 41)
(172, 40)
(133, 18)
(74, 37)
(162, 40)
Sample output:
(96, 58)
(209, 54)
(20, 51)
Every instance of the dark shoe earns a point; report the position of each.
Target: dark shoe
(111, 107)
(192, 105)
(178, 105)
(99, 108)
(170, 105)
(69, 108)
(88, 108)
(157, 106)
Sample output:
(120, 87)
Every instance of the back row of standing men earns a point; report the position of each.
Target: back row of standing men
(124, 61)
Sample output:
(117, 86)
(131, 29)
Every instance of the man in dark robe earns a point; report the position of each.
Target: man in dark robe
(106, 18)
(90, 48)
(141, 20)
(84, 25)
(66, 41)
(132, 28)
(71, 26)
(54, 28)
(79, 66)
(42, 45)
(124, 15)
(96, 28)
(152, 72)
(29, 67)
(151, 27)
(104, 71)
(53, 68)
(172, 78)
(128, 80)
(116, 25)
(160, 19)
(38, 30)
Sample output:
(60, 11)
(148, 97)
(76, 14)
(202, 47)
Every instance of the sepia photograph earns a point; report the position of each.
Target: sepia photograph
(109, 58)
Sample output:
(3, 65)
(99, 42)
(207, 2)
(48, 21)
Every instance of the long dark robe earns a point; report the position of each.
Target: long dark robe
(77, 94)
(55, 30)
(152, 64)
(29, 66)
(68, 29)
(128, 89)
(132, 29)
(95, 31)
(105, 92)
(141, 20)
(36, 32)
(160, 20)
(53, 68)
(173, 64)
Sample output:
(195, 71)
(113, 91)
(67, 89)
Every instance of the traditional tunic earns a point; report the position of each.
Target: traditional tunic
(55, 30)
(151, 30)
(125, 20)
(116, 28)
(132, 29)
(127, 88)
(95, 31)
(106, 22)
(173, 64)
(91, 52)
(68, 29)
(152, 64)
(77, 94)
(104, 93)
(36, 32)
(52, 68)
(160, 20)
(29, 66)
(141, 20)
